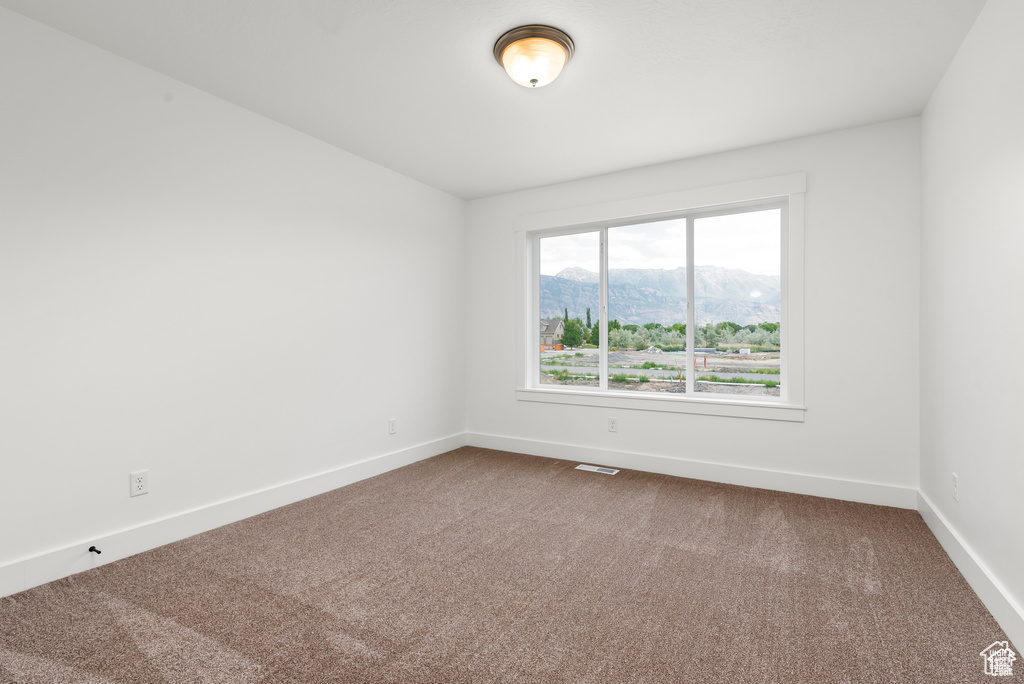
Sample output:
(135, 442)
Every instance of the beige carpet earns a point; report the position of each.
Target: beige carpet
(483, 566)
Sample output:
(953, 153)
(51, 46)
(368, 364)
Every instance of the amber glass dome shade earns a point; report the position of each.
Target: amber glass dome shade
(533, 56)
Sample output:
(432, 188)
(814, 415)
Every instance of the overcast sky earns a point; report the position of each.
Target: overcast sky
(748, 241)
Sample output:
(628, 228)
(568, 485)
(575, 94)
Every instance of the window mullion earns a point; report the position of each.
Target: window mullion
(533, 296)
(784, 375)
(690, 317)
(603, 308)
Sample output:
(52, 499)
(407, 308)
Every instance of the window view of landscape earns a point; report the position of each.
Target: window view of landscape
(647, 307)
(736, 295)
(569, 300)
(737, 291)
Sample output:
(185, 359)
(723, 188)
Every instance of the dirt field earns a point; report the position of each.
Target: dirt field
(727, 363)
(631, 362)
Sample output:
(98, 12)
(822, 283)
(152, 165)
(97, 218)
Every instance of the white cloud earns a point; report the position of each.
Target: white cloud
(748, 241)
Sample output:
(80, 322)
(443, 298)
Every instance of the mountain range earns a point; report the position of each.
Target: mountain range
(639, 296)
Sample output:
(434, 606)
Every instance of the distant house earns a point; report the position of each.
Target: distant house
(551, 330)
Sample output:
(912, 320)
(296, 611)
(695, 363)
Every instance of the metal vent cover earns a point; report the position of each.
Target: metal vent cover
(597, 469)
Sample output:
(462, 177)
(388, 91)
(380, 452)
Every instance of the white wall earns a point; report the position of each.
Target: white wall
(862, 232)
(190, 288)
(972, 320)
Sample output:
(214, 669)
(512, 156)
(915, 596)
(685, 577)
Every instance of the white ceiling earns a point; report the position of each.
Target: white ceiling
(413, 86)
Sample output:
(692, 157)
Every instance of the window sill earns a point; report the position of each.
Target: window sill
(706, 407)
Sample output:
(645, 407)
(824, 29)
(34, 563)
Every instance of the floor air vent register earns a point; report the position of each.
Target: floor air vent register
(597, 469)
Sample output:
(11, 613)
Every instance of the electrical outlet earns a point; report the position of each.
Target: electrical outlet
(956, 487)
(139, 482)
(392, 426)
(613, 425)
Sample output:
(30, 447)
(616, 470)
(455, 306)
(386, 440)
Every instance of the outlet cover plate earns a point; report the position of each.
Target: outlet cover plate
(139, 483)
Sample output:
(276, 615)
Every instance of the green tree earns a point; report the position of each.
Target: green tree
(595, 333)
(614, 324)
(572, 336)
(709, 335)
(566, 317)
(583, 329)
(680, 328)
(631, 327)
(588, 318)
(619, 338)
(770, 327)
(760, 337)
(733, 327)
(642, 339)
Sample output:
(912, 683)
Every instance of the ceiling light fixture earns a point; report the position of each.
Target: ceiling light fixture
(533, 55)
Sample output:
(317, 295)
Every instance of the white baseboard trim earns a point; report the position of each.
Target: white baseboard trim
(48, 566)
(814, 485)
(1007, 612)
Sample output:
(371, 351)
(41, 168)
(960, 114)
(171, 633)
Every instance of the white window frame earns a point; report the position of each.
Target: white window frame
(787, 191)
